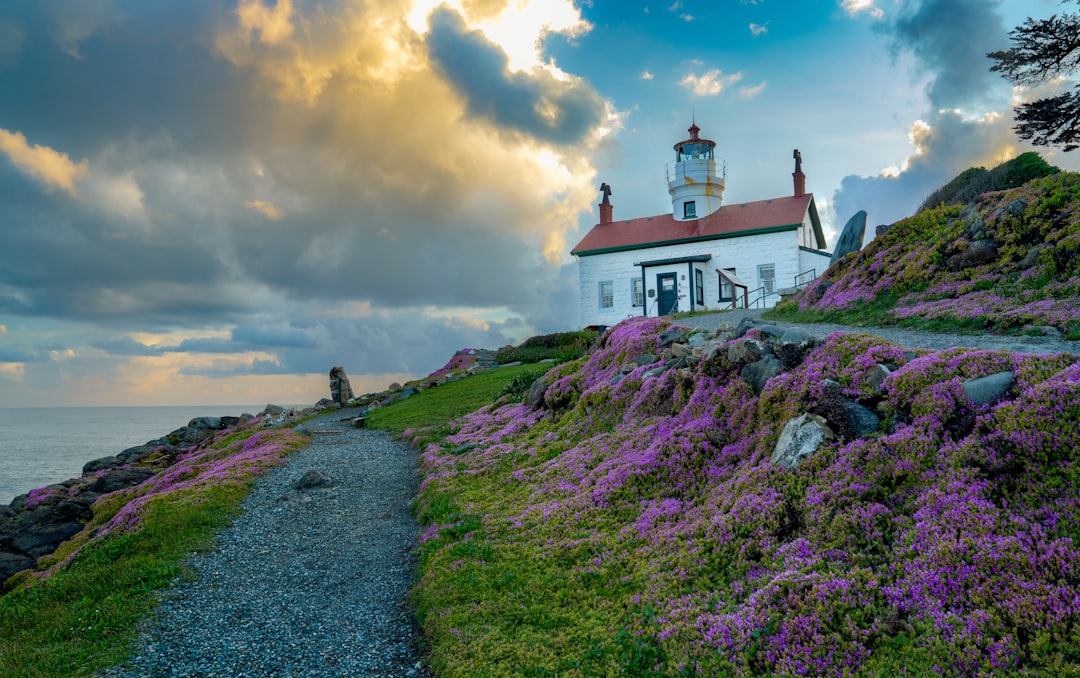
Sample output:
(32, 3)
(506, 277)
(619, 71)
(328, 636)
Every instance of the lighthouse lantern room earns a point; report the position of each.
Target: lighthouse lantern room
(695, 186)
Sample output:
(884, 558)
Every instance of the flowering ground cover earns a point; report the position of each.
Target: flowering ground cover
(921, 272)
(636, 526)
(77, 612)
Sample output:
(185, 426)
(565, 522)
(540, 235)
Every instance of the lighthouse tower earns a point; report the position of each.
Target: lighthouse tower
(695, 186)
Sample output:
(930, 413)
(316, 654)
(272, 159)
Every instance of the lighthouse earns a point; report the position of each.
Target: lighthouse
(695, 185)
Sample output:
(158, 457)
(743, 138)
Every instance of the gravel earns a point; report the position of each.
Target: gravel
(308, 582)
(909, 338)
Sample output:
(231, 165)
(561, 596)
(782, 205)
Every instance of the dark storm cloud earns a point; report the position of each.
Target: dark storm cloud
(536, 103)
(950, 40)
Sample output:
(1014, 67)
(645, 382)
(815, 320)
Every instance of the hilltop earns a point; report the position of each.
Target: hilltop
(1003, 261)
(683, 503)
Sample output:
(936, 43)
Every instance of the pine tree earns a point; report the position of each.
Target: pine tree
(1041, 51)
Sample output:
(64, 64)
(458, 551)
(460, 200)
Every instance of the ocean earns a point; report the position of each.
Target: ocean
(44, 445)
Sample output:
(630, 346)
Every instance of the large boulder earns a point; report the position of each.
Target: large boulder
(801, 437)
(757, 374)
(989, 389)
(851, 238)
(340, 390)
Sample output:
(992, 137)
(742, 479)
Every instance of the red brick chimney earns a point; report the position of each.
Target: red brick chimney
(605, 204)
(798, 176)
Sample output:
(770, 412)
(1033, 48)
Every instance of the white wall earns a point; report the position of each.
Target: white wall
(744, 254)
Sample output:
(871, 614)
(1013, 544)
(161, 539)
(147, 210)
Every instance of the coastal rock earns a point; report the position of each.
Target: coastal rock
(93, 466)
(535, 397)
(10, 563)
(876, 376)
(1032, 256)
(747, 351)
(977, 253)
(644, 359)
(672, 335)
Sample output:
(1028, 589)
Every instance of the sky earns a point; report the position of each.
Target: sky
(214, 203)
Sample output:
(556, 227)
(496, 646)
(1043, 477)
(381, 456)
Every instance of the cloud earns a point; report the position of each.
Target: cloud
(949, 40)
(710, 83)
(15, 372)
(747, 93)
(267, 209)
(646, 75)
(52, 168)
(855, 7)
(73, 21)
(759, 29)
(970, 119)
(549, 108)
(273, 24)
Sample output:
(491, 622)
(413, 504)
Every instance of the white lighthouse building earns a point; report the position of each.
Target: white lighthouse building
(704, 255)
(695, 186)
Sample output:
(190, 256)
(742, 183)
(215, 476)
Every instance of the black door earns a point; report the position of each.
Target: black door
(668, 293)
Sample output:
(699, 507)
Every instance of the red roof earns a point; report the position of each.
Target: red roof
(728, 221)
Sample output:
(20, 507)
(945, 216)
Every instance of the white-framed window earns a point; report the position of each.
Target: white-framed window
(689, 210)
(607, 294)
(637, 292)
(699, 287)
(725, 286)
(766, 274)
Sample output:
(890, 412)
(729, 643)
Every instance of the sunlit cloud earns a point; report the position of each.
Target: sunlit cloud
(710, 83)
(759, 29)
(854, 7)
(51, 167)
(646, 75)
(267, 209)
(273, 24)
(12, 371)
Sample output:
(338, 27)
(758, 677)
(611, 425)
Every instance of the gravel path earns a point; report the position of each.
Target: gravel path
(909, 338)
(312, 584)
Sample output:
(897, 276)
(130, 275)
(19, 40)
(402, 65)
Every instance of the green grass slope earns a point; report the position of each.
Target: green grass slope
(1006, 263)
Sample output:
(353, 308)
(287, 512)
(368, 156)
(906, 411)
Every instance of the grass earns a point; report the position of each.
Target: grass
(85, 617)
(878, 313)
(436, 406)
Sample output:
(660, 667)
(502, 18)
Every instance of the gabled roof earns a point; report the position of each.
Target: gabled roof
(730, 221)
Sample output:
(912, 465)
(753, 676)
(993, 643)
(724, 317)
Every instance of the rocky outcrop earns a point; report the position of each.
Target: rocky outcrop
(800, 438)
(851, 238)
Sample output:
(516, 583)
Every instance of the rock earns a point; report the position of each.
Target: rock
(340, 389)
(1017, 207)
(757, 374)
(876, 375)
(859, 420)
(359, 422)
(273, 410)
(672, 335)
(745, 325)
(697, 341)
(208, 423)
(190, 435)
(302, 430)
(326, 404)
(120, 478)
(851, 238)
(680, 350)
(535, 397)
(407, 392)
(882, 229)
(644, 359)
(747, 351)
(1032, 256)
(819, 290)
(800, 438)
(977, 253)
(975, 229)
(314, 480)
(43, 537)
(394, 387)
(92, 467)
(10, 563)
(988, 389)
